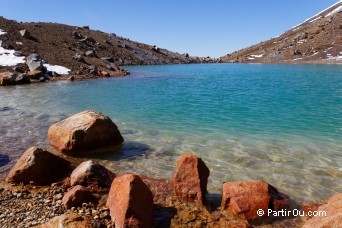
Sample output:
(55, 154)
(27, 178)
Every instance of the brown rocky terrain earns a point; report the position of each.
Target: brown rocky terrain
(316, 40)
(58, 44)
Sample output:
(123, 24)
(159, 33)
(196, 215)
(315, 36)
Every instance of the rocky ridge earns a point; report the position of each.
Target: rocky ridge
(78, 48)
(316, 40)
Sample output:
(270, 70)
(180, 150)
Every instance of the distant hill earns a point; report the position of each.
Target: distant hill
(316, 40)
(58, 43)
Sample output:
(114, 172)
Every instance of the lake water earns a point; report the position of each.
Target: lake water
(278, 123)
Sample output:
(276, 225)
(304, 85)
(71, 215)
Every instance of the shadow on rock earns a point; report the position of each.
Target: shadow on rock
(4, 159)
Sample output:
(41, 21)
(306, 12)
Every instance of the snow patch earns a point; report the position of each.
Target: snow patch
(7, 57)
(19, 43)
(57, 69)
(319, 15)
(257, 56)
(250, 58)
(314, 54)
(296, 59)
(328, 49)
(334, 11)
(315, 19)
(2, 32)
(337, 58)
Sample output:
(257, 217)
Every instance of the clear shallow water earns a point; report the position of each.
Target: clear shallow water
(278, 123)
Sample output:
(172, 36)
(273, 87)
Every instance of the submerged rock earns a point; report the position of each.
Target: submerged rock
(191, 178)
(246, 198)
(85, 131)
(89, 173)
(38, 166)
(130, 202)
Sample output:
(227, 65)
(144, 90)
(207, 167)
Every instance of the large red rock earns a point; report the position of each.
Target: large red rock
(130, 202)
(246, 198)
(191, 178)
(76, 196)
(40, 167)
(89, 173)
(333, 216)
(85, 131)
(72, 220)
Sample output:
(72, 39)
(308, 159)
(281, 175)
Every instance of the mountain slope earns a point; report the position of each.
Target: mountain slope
(58, 43)
(316, 40)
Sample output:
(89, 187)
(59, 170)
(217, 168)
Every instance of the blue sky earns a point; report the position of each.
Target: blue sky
(199, 27)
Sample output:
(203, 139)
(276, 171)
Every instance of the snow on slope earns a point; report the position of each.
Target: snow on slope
(57, 69)
(324, 13)
(7, 57)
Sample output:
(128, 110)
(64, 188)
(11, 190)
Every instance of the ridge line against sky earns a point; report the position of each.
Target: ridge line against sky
(200, 28)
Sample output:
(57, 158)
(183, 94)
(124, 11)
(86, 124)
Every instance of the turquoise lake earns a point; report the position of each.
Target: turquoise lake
(278, 123)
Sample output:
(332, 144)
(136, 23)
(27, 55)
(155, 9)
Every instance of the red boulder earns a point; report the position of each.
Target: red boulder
(191, 178)
(38, 166)
(85, 131)
(130, 202)
(246, 198)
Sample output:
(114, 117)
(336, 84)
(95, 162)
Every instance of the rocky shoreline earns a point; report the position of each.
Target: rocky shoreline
(44, 189)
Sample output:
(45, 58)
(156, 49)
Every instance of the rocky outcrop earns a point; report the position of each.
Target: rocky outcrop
(333, 216)
(39, 167)
(76, 196)
(246, 198)
(34, 62)
(72, 220)
(191, 178)
(89, 173)
(85, 131)
(130, 202)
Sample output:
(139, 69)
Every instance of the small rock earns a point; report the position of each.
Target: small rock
(71, 78)
(91, 53)
(78, 58)
(105, 74)
(77, 196)
(93, 70)
(7, 78)
(22, 79)
(25, 33)
(89, 173)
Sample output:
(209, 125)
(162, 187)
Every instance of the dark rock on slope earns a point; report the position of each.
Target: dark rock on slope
(316, 40)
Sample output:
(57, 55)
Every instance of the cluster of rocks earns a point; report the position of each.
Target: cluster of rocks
(93, 196)
(34, 70)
